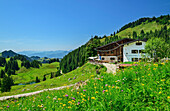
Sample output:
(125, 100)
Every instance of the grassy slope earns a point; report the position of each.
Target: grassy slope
(145, 26)
(142, 87)
(28, 75)
(82, 73)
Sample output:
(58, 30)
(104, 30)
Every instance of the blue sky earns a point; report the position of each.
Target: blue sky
(42, 25)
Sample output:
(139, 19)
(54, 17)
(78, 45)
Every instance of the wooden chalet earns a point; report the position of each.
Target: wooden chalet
(114, 52)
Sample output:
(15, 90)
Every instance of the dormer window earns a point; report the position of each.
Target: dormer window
(138, 43)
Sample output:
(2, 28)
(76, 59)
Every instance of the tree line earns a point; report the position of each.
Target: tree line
(80, 55)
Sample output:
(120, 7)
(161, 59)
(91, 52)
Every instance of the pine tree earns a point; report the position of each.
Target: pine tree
(6, 67)
(9, 72)
(7, 82)
(16, 65)
(134, 35)
(57, 60)
(44, 78)
(2, 74)
(37, 80)
(52, 76)
(142, 33)
(58, 73)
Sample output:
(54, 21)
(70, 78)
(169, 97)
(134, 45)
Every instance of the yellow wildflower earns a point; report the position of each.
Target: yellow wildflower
(163, 80)
(113, 86)
(106, 90)
(61, 103)
(156, 65)
(136, 79)
(109, 86)
(148, 74)
(160, 92)
(163, 63)
(77, 92)
(142, 76)
(168, 97)
(101, 79)
(92, 75)
(64, 105)
(96, 92)
(142, 84)
(92, 97)
(84, 95)
(95, 87)
(69, 102)
(160, 88)
(59, 99)
(69, 107)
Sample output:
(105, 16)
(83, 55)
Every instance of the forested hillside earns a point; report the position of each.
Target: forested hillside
(144, 28)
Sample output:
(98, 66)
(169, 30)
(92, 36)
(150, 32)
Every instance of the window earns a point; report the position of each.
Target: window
(112, 58)
(112, 52)
(134, 59)
(102, 58)
(126, 53)
(108, 52)
(138, 43)
(134, 51)
(141, 51)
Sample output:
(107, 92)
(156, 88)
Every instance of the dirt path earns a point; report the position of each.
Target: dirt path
(111, 68)
(33, 93)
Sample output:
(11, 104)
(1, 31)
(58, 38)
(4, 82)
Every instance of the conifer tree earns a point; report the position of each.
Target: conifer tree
(2, 74)
(37, 80)
(52, 76)
(7, 82)
(44, 78)
(134, 35)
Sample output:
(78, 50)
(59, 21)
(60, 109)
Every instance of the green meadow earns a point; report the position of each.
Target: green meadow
(28, 75)
(80, 74)
(142, 87)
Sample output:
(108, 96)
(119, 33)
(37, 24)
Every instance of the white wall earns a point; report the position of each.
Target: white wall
(127, 51)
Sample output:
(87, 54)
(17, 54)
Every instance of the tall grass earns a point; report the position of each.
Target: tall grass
(141, 87)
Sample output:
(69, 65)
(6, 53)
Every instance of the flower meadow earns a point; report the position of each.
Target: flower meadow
(141, 87)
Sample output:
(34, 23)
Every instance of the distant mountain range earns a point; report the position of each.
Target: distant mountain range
(11, 53)
(49, 54)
